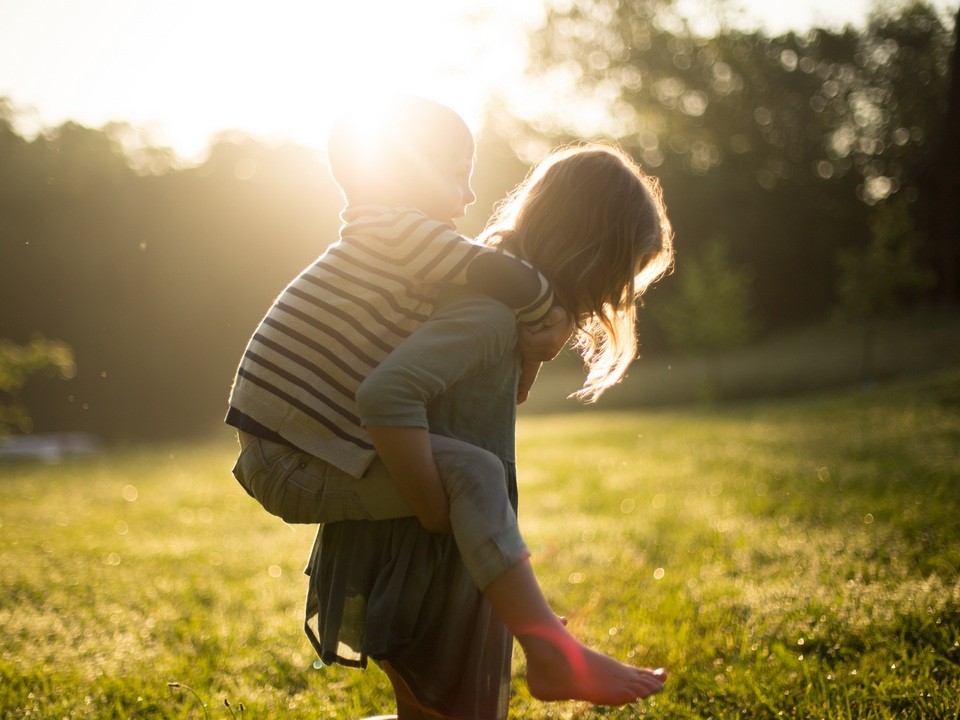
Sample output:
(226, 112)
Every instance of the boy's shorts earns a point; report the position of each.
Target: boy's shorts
(301, 488)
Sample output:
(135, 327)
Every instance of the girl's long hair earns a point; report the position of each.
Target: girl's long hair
(596, 226)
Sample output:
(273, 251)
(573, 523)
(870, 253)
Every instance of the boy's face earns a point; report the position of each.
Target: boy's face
(452, 194)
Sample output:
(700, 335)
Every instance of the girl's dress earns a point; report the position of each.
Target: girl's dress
(391, 590)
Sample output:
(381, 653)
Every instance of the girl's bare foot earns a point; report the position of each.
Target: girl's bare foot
(561, 668)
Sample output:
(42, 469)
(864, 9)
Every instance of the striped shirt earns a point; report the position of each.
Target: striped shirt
(337, 320)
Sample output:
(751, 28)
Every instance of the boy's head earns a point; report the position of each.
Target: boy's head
(407, 151)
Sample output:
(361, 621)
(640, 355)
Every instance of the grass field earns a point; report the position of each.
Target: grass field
(789, 559)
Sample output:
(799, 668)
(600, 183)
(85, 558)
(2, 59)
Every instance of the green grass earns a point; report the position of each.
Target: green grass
(789, 559)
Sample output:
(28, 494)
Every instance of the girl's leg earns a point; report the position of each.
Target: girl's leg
(409, 712)
(407, 706)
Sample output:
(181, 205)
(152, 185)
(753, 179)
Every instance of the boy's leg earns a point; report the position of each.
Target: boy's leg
(485, 526)
(559, 667)
(483, 520)
(300, 488)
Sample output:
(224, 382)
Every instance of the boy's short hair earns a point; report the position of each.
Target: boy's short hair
(389, 151)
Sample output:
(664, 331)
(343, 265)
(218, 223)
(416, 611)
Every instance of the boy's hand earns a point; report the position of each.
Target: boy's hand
(548, 340)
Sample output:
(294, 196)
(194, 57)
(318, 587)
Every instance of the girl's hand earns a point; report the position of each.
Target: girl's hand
(528, 373)
(546, 342)
(541, 345)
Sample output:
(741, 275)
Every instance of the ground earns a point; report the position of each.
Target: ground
(795, 558)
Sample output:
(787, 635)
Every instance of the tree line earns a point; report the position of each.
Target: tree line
(776, 154)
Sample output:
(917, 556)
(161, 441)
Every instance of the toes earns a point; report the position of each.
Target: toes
(650, 682)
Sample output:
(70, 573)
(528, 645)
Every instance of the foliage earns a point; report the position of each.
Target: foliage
(879, 279)
(806, 106)
(793, 559)
(710, 312)
(17, 363)
(156, 273)
(787, 362)
(768, 141)
(155, 277)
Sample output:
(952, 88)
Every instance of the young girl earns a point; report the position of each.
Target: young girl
(595, 226)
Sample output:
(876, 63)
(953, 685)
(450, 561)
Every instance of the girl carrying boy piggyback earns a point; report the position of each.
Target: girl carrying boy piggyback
(333, 429)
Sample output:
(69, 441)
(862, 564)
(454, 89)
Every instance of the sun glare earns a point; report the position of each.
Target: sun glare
(182, 71)
(303, 64)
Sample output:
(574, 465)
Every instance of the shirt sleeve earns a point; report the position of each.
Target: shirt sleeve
(431, 253)
(459, 340)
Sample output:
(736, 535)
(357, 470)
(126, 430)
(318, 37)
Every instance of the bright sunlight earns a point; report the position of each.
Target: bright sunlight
(182, 71)
(185, 70)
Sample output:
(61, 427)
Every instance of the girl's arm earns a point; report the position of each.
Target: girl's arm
(459, 340)
(408, 457)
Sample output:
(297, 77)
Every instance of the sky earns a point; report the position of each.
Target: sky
(183, 70)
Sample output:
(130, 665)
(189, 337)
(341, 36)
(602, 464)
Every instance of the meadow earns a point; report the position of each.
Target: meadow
(795, 558)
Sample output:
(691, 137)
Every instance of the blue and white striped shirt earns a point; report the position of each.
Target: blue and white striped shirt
(337, 320)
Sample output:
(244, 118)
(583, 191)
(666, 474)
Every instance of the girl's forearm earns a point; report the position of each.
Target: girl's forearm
(408, 457)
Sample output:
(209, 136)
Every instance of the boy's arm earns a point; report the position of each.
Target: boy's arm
(512, 281)
(432, 253)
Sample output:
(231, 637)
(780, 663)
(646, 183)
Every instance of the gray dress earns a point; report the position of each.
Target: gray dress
(391, 590)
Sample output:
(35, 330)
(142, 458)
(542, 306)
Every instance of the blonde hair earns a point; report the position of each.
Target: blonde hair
(595, 225)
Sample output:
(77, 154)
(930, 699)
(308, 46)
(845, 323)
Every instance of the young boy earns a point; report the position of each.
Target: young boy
(305, 455)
